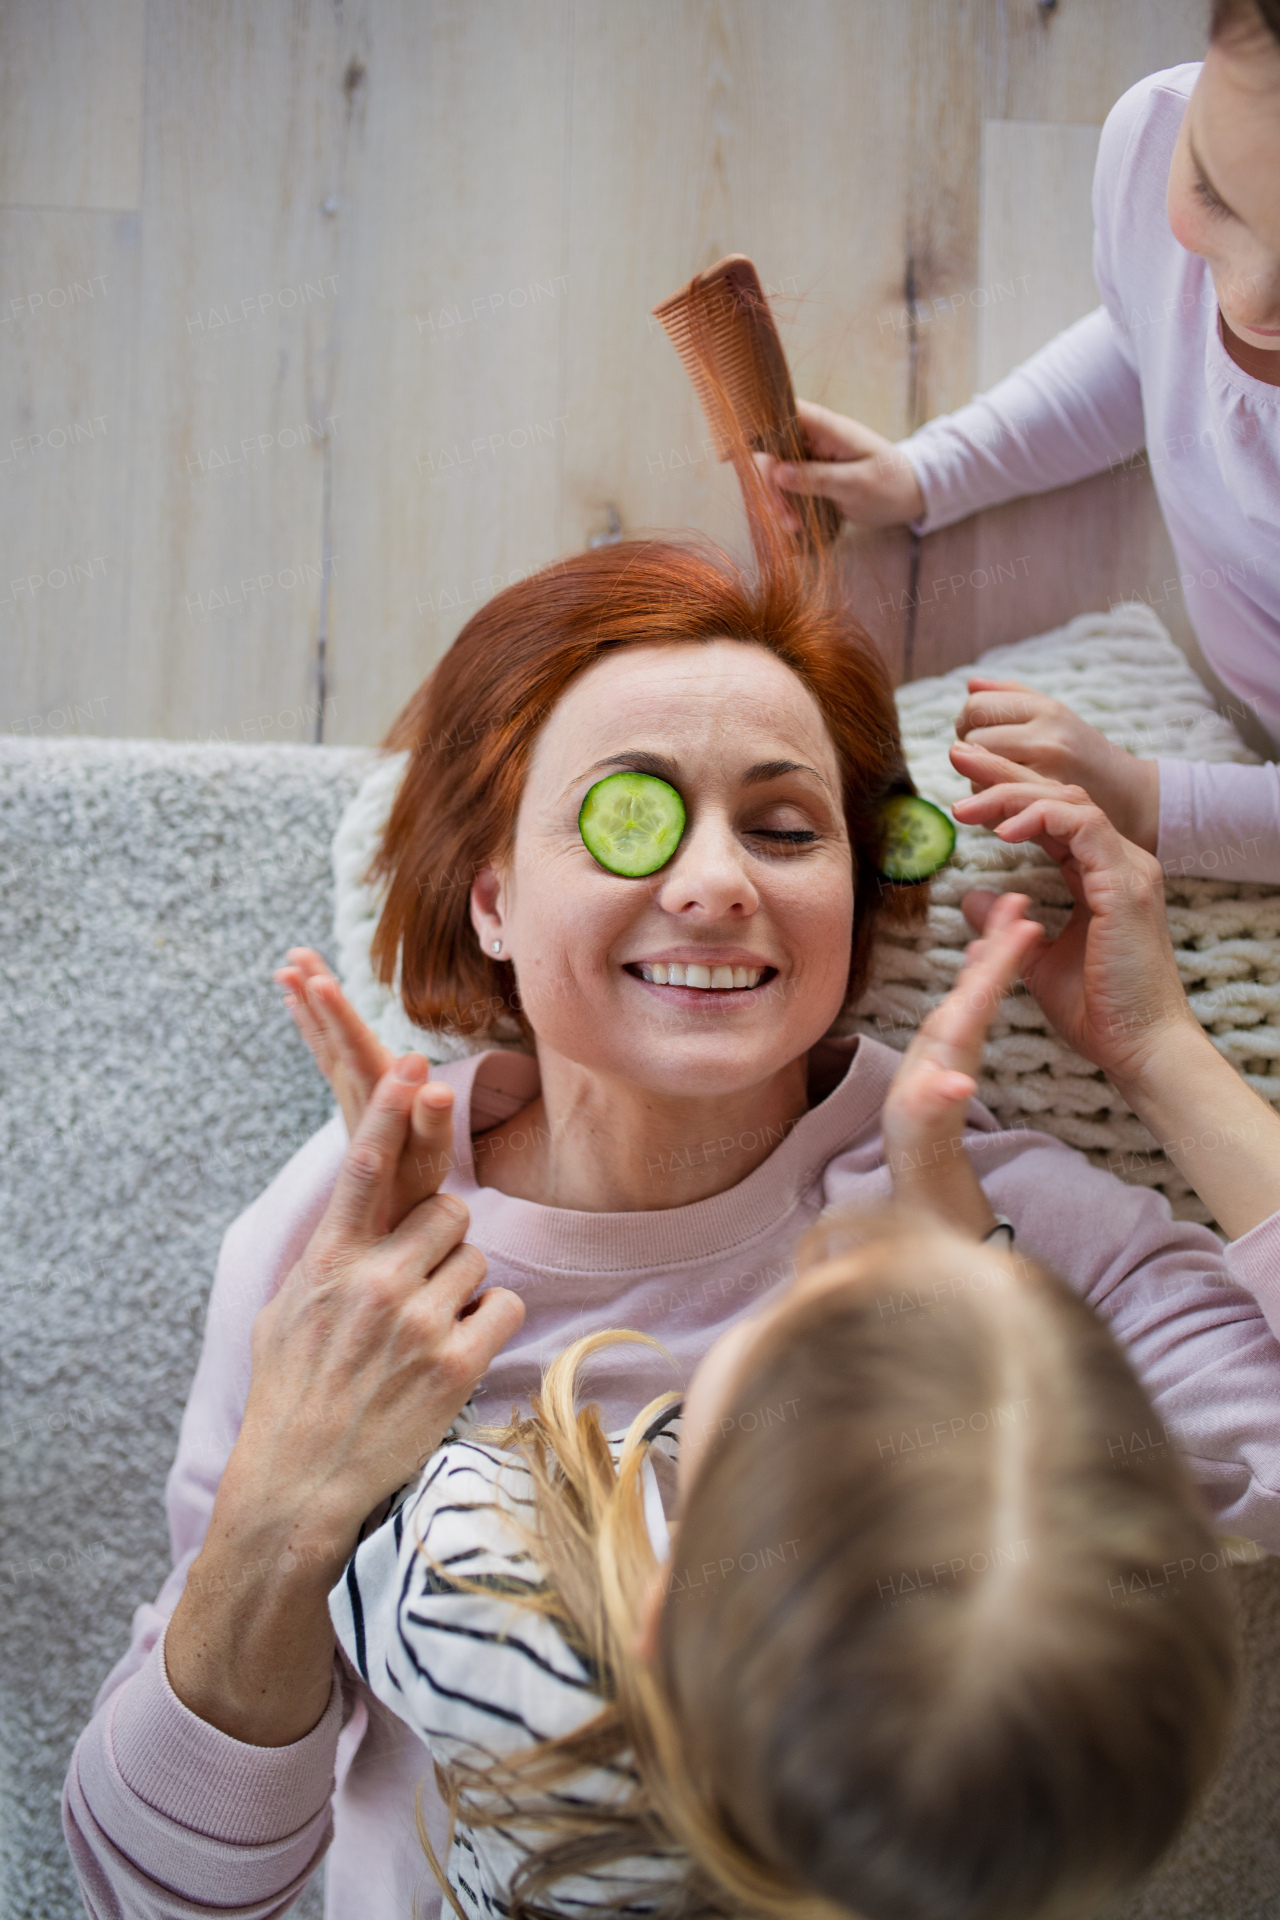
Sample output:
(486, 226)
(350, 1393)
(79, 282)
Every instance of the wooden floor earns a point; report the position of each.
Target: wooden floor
(320, 324)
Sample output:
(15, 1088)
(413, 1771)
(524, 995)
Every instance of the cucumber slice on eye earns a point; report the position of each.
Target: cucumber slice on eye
(918, 839)
(631, 823)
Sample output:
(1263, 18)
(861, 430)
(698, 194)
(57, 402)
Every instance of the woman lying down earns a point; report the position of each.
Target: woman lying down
(681, 998)
(940, 1629)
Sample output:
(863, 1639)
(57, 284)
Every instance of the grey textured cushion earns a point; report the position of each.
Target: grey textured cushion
(150, 1087)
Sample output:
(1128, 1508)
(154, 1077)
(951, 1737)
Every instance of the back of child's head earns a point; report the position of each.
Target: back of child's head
(943, 1640)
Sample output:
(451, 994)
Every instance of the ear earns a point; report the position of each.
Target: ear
(645, 1644)
(487, 903)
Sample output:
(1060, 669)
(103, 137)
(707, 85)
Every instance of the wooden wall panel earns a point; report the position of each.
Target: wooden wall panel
(237, 338)
(391, 342)
(71, 103)
(744, 137)
(1035, 273)
(451, 189)
(68, 321)
(1071, 62)
(1031, 564)
(942, 95)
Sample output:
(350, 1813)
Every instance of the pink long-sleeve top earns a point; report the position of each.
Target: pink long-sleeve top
(166, 1816)
(1148, 367)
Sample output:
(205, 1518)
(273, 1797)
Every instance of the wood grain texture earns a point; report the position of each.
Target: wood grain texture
(942, 93)
(71, 103)
(1071, 62)
(1023, 567)
(669, 176)
(451, 187)
(236, 345)
(391, 346)
(68, 323)
(1035, 272)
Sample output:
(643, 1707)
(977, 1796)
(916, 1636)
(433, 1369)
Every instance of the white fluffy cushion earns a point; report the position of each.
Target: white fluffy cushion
(1122, 673)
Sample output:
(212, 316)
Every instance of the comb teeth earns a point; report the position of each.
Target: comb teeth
(723, 330)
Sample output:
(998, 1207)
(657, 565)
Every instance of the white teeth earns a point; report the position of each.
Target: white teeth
(709, 979)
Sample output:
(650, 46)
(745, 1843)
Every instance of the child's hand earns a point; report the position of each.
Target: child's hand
(872, 483)
(1109, 982)
(1006, 730)
(924, 1114)
(353, 1060)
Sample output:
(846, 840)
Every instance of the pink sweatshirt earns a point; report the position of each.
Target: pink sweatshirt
(165, 1816)
(1149, 368)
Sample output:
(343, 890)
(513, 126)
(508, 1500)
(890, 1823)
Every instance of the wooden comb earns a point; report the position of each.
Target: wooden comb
(724, 332)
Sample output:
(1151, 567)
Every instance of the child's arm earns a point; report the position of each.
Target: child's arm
(1110, 985)
(924, 1114)
(1074, 408)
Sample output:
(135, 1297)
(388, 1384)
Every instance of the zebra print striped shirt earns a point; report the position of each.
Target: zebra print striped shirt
(475, 1674)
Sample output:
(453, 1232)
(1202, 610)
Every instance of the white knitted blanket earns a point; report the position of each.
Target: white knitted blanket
(1123, 673)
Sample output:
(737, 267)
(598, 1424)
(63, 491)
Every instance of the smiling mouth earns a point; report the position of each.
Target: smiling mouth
(704, 979)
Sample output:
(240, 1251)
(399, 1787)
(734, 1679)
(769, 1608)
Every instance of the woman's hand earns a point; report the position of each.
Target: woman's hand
(924, 1114)
(1002, 722)
(1109, 982)
(372, 1346)
(353, 1060)
(348, 1053)
(870, 480)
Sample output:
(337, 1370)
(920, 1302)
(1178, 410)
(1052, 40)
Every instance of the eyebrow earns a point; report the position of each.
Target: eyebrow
(664, 768)
(1203, 171)
(775, 769)
(639, 762)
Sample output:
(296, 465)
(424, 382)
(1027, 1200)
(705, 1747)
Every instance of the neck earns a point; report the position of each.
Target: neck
(595, 1144)
(1263, 365)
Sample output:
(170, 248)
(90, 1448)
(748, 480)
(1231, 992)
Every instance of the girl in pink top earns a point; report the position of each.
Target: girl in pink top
(679, 1118)
(1183, 357)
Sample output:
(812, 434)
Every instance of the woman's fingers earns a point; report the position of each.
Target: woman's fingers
(439, 1278)
(489, 1323)
(363, 1195)
(294, 986)
(431, 1134)
(354, 1043)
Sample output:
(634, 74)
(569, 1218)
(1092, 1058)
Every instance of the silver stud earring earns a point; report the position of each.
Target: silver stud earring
(497, 946)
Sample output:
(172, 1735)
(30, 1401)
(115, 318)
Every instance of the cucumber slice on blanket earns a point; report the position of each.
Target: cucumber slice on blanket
(918, 839)
(631, 823)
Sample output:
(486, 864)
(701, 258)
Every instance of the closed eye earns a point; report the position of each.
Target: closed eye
(1212, 202)
(789, 836)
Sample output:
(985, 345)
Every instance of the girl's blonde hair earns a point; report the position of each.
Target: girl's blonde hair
(942, 1637)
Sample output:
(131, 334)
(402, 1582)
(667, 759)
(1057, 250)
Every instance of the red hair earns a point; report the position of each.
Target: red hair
(470, 728)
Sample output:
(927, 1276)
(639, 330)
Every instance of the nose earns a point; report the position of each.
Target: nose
(710, 877)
